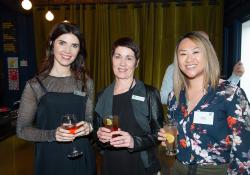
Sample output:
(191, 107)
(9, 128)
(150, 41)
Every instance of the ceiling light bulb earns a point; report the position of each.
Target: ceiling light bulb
(49, 16)
(26, 4)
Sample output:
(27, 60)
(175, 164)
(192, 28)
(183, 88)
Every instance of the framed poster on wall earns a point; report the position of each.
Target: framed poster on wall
(13, 73)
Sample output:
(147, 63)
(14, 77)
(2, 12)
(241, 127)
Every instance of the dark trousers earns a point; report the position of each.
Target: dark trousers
(181, 169)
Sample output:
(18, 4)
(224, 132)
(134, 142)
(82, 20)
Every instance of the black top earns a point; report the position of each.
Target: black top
(148, 113)
(121, 161)
(51, 157)
(31, 96)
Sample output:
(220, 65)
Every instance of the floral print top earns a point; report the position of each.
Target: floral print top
(226, 139)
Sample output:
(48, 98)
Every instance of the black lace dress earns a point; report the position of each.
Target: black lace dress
(42, 106)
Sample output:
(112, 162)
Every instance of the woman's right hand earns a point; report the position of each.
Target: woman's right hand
(104, 134)
(64, 135)
(161, 137)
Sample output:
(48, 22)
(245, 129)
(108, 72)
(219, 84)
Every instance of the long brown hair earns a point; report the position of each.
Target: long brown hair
(77, 68)
(212, 67)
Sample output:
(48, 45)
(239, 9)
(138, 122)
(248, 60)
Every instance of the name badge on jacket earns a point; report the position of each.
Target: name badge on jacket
(205, 118)
(139, 98)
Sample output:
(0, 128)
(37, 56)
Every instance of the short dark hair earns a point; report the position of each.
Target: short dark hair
(126, 42)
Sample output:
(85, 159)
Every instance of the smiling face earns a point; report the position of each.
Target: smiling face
(124, 63)
(191, 59)
(66, 48)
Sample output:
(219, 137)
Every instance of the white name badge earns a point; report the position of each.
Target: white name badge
(139, 98)
(80, 93)
(206, 118)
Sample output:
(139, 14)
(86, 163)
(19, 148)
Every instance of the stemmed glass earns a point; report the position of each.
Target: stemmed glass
(69, 122)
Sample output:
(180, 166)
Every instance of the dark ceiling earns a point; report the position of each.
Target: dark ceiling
(15, 5)
(12, 5)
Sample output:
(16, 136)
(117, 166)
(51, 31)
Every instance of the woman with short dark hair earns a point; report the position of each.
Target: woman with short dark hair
(131, 149)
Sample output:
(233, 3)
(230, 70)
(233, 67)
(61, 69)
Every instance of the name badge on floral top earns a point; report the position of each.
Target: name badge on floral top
(205, 118)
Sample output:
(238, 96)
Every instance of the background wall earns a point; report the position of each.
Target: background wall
(235, 13)
(155, 26)
(16, 154)
(17, 41)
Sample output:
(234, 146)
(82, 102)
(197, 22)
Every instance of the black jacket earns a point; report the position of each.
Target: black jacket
(148, 113)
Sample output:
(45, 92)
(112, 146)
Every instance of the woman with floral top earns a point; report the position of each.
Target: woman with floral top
(213, 119)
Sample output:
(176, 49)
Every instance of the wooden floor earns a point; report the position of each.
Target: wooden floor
(17, 158)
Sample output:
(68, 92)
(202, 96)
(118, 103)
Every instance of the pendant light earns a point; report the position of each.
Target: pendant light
(26, 4)
(49, 15)
(65, 16)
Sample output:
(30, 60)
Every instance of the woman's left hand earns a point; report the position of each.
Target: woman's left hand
(83, 128)
(122, 139)
(161, 137)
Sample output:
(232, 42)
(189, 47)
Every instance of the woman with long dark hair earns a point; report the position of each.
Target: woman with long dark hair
(62, 87)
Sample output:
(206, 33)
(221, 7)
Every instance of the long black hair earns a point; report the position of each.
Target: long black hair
(77, 68)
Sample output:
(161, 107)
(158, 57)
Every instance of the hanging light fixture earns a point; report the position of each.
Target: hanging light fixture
(66, 21)
(26, 4)
(65, 11)
(49, 15)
